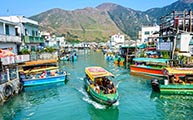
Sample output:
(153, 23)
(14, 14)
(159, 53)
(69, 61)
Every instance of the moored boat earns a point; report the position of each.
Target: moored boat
(152, 67)
(99, 85)
(69, 57)
(41, 72)
(118, 60)
(109, 55)
(176, 81)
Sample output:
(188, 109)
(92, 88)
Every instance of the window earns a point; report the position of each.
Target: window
(16, 32)
(26, 33)
(33, 48)
(33, 33)
(7, 29)
(147, 33)
(36, 33)
(12, 73)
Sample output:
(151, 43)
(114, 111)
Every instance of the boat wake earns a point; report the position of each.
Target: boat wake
(81, 78)
(117, 103)
(95, 104)
(90, 101)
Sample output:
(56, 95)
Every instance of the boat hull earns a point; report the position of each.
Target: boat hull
(67, 59)
(106, 99)
(177, 89)
(41, 81)
(119, 62)
(154, 72)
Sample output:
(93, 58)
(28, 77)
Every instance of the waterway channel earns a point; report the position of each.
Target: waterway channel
(70, 101)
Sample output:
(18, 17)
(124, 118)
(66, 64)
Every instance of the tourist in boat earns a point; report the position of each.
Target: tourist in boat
(175, 80)
(96, 88)
(43, 75)
(110, 87)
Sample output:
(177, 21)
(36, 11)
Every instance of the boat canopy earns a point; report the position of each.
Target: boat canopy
(151, 60)
(95, 72)
(179, 71)
(38, 62)
(38, 70)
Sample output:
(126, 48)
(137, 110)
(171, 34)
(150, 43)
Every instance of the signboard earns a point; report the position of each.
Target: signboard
(14, 59)
(164, 46)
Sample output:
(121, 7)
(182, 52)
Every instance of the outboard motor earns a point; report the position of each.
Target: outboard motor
(155, 85)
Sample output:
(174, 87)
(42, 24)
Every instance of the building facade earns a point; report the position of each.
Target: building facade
(149, 31)
(9, 37)
(28, 30)
(117, 40)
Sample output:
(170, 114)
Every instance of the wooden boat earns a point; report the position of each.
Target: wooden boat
(149, 66)
(41, 72)
(97, 82)
(176, 81)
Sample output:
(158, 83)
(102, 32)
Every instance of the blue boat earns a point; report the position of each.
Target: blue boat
(71, 57)
(41, 72)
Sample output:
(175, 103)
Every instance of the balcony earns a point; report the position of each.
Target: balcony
(10, 38)
(31, 39)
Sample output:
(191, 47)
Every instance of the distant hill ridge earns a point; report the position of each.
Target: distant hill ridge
(97, 24)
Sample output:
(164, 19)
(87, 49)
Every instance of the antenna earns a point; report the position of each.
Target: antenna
(7, 11)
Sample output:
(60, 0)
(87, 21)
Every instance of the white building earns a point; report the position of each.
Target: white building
(27, 29)
(148, 31)
(52, 40)
(9, 37)
(117, 40)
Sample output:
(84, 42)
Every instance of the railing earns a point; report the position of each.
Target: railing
(15, 59)
(31, 39)
(10, 38)
(43, 56)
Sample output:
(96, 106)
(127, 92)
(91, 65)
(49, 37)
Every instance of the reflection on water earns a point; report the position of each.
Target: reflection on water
(110, 113)
(173, 106)
(44, 87)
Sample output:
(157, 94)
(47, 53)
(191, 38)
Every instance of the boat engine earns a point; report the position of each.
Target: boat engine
(155, 85)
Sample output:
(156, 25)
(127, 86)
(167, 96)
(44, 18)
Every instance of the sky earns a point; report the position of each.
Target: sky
(32, 7)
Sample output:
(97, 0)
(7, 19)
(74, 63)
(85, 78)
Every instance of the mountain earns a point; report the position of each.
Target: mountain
(97, 24)
(128, 20)
(88, 24)
(180, 5)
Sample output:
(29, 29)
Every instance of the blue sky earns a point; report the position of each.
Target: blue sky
(32, 7)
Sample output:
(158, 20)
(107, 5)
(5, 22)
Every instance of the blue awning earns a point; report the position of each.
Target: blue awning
(155, 60)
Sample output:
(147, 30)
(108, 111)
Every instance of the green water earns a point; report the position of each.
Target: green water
(69, 100)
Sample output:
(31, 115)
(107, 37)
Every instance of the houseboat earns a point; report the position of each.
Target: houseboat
(99, 85)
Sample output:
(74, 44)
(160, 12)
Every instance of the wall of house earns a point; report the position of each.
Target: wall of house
(12, 30)
(148, 32)
(1, 28)
(182, 42)
(117, 38)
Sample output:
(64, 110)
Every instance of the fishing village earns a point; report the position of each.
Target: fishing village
(44, 75)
